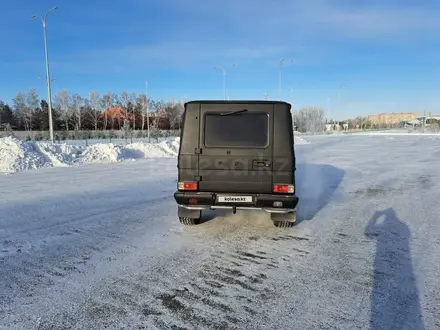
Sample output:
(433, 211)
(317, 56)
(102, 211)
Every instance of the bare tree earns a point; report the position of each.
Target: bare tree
(115, 101)
(132, 99)
(125, 100)
(78, 104)
(180, 109)
(172, 113)
(310, 119)
(155, 129)
(21, 109)
(95, 103)
(63, 102)
(107, 102)
(142, 104)
(158, 108)
(32, 104)
(435, 125)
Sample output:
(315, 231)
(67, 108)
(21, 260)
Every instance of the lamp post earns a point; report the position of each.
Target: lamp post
(48, 80)
(224, 78)
(339, 101)
(147, 105)
(280, 70)
(293, 108)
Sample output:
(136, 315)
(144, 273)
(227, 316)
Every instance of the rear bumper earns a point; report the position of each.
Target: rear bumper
(208, 200)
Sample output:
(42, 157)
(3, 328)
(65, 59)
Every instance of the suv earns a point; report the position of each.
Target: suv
(237, 155)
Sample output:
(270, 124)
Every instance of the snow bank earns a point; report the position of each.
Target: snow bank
(17, 155)
(299, 140)
(59, 154)
(101, 153)
(167, 148)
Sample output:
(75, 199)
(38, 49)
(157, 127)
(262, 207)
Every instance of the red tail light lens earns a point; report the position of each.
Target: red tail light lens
(283, 188)
(188, 185)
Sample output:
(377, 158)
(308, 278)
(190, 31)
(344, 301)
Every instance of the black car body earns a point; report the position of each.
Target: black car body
(237, 154)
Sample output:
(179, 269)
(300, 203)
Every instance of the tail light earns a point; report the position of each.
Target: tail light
(188, 185)
(284, 188)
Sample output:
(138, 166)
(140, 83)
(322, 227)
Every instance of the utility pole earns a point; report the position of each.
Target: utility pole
(147, 105)
(49, 94)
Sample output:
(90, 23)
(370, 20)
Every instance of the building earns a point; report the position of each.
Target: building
(392, 118)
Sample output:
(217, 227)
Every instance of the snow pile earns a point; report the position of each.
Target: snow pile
(142, 150)
(299, 140)
(16, 156)
(101, 153)
(167, 148)
(59, 154)
(171, 146)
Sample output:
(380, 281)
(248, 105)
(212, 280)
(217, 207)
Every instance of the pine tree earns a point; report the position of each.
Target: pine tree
(6, 116)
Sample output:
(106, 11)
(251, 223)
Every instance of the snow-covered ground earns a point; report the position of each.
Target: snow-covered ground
(399, 132)
(99, 246)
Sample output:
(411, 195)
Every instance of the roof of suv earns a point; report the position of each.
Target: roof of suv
(237, 102)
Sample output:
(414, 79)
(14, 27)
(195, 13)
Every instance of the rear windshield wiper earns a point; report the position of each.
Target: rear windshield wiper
(233, 112)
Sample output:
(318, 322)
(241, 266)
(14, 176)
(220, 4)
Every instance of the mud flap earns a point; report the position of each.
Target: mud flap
(185, 213)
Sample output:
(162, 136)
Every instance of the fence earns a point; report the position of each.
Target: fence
(93, 137)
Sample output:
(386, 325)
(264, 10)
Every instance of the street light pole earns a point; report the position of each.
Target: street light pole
(224, 78)
(339, 101)
(293, 108)
(49, 94)
(281, 68)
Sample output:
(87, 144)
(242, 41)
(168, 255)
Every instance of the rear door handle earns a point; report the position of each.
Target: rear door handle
(261, 163)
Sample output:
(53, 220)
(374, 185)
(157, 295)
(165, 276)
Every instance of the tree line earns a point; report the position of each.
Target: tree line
(134, 112)
(313, 120)
(109, 111)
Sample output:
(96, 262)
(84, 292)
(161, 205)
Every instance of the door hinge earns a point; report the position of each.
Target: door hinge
(198, 150)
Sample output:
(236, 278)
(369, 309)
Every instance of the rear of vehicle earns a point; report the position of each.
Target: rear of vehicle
(236, 155)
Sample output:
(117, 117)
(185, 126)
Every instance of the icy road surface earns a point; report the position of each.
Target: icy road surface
(100, 246)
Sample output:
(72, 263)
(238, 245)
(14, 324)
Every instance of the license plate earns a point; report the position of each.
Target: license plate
(234, 199)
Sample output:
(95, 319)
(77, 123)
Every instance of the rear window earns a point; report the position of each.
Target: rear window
(244, 129)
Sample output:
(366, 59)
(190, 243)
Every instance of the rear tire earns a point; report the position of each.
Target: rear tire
(189, 221)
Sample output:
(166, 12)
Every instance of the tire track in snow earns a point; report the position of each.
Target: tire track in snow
(225, 291)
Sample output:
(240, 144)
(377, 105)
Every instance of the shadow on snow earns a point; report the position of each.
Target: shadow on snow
(315, 186)
(395, 300)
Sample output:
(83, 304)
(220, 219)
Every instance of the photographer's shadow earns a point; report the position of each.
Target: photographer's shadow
(395, 300)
